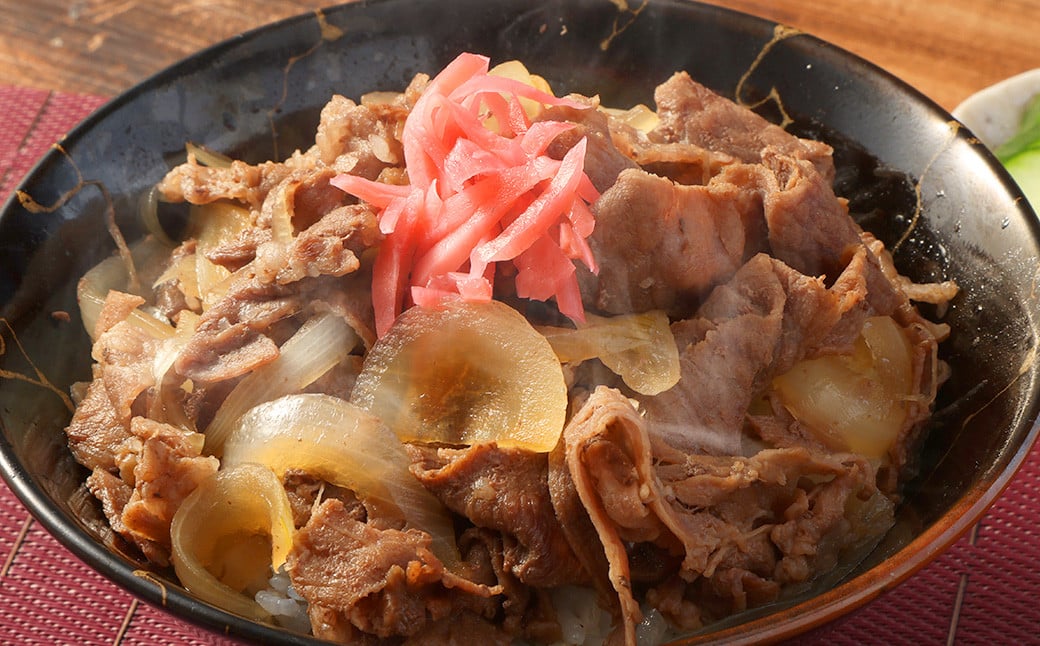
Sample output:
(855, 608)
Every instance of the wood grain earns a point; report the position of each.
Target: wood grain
(945, 49)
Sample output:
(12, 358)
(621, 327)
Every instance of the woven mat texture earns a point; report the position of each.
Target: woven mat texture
(983, 590)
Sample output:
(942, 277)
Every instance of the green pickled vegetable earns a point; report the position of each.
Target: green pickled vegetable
(1021, 153)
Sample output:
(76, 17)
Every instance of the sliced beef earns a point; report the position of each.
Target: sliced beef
(626, 492)
(167, 466)
(240, 333)
(578, 528)
(232, 337)
(809, 227)
(360, 139)
(385, 582)
(96, 429)
(661, 245)
(159, 465)
(603, 161)
(240, 250)
(229, 340)
(752, 328)
(331, 246)
(299, 200)
(684, 163)
(939, 293)
(504, 489)
(691, 113)
(520, 610)
(461, 630)
(124, 356)
(305, 492)
(197, 184)
(350, 138)
(117, 306)
(746, 526)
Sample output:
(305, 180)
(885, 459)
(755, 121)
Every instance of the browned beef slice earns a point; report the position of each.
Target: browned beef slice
(750, 329)
(612, 491)
(229, 340)
(240, 250)
(578, 528)
(384, 582)
(603, 160)
(167, 467)
(684, 163)
(461, 630)
(329, 247)
(809, 228)
(759, 325)
(691, 113)
(159, 466)
(299, 200)
(350, 138)
(661, 244)
(197, 184)
(504, 489)
(746, 526)
(519, 609)
(779, 517)
(113, 494)
(123, 353)
(305, 491)
(116, 308)
(359, 139)
(232, 336)
(96, 429)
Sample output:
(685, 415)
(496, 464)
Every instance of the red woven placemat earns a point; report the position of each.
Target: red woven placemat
(984, 590)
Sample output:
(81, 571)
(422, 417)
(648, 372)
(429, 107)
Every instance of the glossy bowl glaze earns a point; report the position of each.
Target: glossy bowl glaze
(913, 175)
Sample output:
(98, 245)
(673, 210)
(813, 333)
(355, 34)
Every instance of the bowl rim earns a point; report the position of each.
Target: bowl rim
(788, 622)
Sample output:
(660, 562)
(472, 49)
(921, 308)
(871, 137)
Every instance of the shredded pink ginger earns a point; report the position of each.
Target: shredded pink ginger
(478, 197)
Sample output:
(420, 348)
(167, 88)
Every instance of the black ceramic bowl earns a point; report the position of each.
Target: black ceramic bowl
(915, 178)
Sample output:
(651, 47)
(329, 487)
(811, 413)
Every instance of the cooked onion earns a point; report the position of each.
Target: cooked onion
(320, 344)
(213, 225)
(111, 274)
(465, 373)
(639, 348)
(639, 117)
(517, 71)
(854, 402)
(148, 207)
(338, 442)
(220, 530)
(207, 157)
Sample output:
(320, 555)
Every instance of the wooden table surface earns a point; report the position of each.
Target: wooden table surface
(946, 49)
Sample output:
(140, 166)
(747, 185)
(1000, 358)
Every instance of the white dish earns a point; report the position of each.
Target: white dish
(994, 113)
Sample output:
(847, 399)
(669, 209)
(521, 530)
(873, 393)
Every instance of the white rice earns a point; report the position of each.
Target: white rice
(286, 606)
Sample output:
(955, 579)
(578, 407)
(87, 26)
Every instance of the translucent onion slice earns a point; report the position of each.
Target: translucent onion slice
(854, 402)
(148, 207)
(172, 347)
(517, 71)
(208, 157)
(638, 116)
(639, 348)
(338, 442)
(317, 346)
(465, 373)
(111, 273)
(212, 225)
(229, 534)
